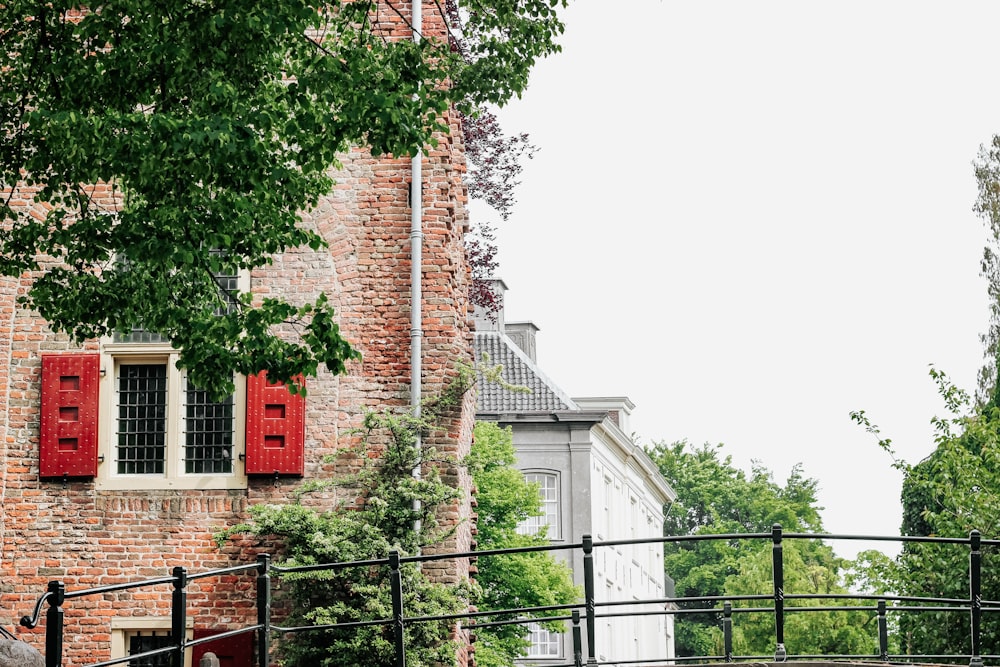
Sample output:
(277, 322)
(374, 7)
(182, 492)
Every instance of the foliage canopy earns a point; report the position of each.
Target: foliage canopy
(210, 125)
(987, 169)
(715, 497)
(949, 494)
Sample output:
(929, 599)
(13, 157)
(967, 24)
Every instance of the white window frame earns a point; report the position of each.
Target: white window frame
(116, 355)
(605, 527)
(543, 643)
(551, 505)
(123, 628)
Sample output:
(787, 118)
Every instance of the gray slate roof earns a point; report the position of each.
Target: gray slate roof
(518, 369)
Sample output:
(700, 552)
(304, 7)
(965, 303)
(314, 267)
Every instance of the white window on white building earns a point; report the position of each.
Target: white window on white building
(544, 643)
(605, 527)
(633, 529)
(548, 489)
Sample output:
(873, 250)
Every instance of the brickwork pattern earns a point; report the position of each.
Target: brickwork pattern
(88, 537)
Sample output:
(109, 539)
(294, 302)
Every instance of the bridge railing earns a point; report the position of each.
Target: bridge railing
(582, 615)
(879, 605)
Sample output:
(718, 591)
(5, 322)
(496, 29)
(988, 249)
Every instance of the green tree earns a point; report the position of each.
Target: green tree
(950, 493)
(987, 169)
(535, 579)
(954, 490)
(211, 125)
(381, 520)
(810, 568)
(715, 497)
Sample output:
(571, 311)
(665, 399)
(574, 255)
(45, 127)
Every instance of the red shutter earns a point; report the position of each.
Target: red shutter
(68, 430)
(276, 428)
(232, 651)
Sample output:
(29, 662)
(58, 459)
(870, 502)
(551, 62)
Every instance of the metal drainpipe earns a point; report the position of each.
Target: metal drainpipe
(416, 261)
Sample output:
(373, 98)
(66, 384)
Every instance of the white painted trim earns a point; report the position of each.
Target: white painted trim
(173, 478)
(123, 626)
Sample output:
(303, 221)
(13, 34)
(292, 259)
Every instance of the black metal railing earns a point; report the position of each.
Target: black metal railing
(582, 615)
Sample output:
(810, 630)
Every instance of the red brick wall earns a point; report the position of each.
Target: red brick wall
(88, 537)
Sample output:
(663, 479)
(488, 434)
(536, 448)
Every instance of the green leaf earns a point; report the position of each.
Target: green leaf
(217, 124)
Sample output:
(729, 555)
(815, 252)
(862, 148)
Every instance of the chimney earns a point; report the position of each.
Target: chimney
(492, 320)
(523, 335)
(619, 408)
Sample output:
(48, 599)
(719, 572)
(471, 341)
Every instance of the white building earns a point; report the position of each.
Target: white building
(595, 480)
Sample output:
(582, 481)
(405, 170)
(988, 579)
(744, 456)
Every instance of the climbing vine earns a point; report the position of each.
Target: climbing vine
(379, 517)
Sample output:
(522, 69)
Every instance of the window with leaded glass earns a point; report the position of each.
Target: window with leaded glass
(142, 418)
(165, 432)
(228, 286)
(138, 335)
(158, 431)
(143, 404)
(208, 436)
(150, 641)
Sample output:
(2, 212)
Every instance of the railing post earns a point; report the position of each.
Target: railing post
(588, 591)
(54, 624)
(263, 609)
(577, 640)
(727, 630)
(975, 595)
(883, 633)
(396, 586)
(779, 594)
(178, 616)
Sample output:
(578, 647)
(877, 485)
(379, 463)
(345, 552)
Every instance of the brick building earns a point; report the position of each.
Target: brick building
(110, 470)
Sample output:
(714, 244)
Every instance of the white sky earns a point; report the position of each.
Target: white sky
(754, 217)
